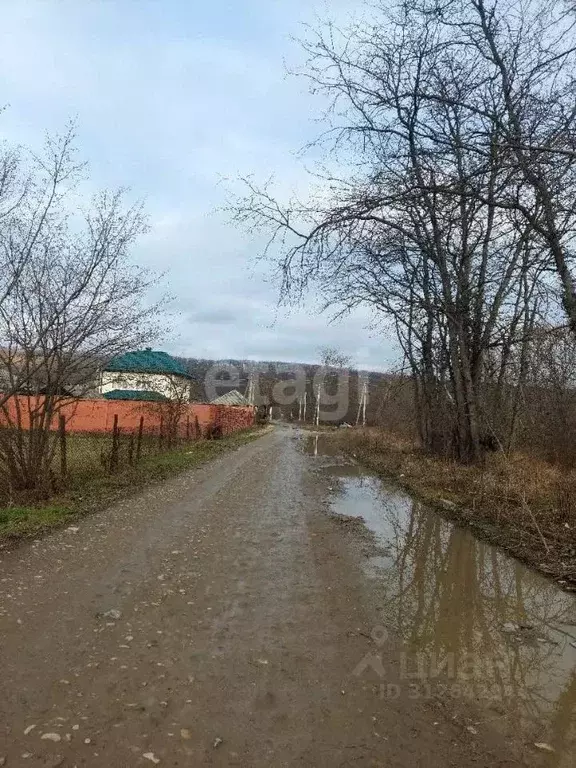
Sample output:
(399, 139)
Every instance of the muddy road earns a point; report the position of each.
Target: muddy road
(244, 615)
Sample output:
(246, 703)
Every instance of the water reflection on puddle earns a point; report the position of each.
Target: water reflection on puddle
(317, 444)
(505, 632)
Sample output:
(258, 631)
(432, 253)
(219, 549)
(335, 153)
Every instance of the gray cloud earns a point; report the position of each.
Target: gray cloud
(213, 317)
(170, 100)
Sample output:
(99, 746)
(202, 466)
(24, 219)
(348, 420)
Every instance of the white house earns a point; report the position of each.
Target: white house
(136, 375)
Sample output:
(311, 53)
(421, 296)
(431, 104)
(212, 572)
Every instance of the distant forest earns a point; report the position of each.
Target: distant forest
(390, 396)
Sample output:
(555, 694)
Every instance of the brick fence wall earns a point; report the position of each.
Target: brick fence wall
(98, 415)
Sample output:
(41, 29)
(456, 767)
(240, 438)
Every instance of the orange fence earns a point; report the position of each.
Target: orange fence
(98, 415)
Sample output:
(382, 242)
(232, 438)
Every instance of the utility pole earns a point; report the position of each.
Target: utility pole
(363, 389)
(302, 407)
(317, 410)
(251, 391)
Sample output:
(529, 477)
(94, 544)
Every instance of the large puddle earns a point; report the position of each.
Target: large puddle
(503, 635)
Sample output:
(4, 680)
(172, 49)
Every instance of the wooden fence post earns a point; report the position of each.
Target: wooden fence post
(187, 427)
(161, 434)
(139, 439)
(115, 446)
(63, 457)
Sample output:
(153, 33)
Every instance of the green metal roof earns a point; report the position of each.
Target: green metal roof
(134, 394)
(147, 361)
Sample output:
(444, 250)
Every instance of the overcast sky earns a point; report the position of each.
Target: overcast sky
(170, 97)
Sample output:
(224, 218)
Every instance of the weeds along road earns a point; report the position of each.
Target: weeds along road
(217, 619)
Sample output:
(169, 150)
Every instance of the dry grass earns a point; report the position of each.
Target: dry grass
(521, 503)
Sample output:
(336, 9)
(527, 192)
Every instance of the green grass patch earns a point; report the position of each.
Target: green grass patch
(18, 522)
(87, 491)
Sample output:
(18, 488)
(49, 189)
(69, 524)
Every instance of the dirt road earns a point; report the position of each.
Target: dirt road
(221, 619)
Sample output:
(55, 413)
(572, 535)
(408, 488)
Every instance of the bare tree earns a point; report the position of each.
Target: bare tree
(173, 408)
(331, 385)
(422, 230)
(75, 300)
(332, 357)
(32, 189)
(13, 191)
(524, 55)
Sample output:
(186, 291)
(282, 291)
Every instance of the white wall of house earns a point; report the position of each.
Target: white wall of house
(172, 387)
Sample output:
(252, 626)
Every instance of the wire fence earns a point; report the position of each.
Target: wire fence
(77, 457)
(111, 451)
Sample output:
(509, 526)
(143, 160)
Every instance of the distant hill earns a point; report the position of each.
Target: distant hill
(215, 377)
